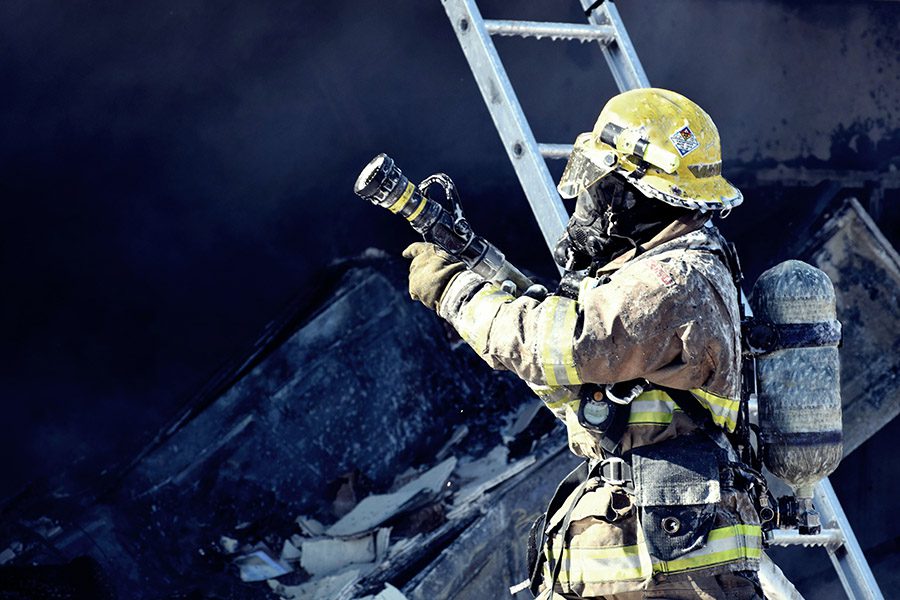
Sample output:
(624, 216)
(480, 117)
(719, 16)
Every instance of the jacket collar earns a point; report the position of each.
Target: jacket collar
(676, 229)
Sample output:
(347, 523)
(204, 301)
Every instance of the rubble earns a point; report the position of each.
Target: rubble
(377, 509)
(389, 593)
(327, 555)
(256, 457)
(329, 586)
(309, 526)
(487, 473)
(228, 545)
(290, 551)
(260, 565)
(459, 435)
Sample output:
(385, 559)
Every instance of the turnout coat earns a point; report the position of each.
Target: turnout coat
(668, 315)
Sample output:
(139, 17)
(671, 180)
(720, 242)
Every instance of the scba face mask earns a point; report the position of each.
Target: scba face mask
(610, 218)
(588, 233)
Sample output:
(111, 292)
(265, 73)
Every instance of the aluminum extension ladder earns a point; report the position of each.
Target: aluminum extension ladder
(528, 159)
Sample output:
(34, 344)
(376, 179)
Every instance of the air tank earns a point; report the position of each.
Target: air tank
(798, 375)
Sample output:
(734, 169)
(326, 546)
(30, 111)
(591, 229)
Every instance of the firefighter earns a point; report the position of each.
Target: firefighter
(638, 354)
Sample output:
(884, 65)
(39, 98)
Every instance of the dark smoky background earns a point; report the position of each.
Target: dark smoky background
(173, 174)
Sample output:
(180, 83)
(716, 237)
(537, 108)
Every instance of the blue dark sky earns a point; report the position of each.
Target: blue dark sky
(174, 173)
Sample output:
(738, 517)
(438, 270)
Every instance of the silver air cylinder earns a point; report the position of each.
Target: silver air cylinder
(795, 338)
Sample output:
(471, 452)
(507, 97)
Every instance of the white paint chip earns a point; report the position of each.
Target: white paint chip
(375, 510)
(260, 565)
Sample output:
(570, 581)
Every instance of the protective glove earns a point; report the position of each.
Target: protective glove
(430, 273)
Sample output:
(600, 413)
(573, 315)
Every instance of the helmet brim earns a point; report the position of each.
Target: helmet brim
(709, 193)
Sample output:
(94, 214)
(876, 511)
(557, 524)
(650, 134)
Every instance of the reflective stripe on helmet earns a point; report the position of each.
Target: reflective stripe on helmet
(556, 322)
(703, 170)
(478, 314)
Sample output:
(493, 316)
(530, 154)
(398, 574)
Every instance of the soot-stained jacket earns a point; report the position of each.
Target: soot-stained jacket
(669, 315)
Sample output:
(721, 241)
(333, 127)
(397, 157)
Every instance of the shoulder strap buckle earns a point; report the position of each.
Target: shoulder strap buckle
(614, 471)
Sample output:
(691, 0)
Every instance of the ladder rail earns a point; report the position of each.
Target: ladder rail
(848, 559)
(509, 119)
(620, 54)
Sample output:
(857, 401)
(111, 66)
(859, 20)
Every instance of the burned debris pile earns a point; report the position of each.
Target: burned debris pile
(356, 448)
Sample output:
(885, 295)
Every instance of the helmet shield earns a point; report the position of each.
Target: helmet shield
(587, 165)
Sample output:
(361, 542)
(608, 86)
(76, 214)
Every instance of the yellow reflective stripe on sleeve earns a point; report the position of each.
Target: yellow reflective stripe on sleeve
(724, 410)
(404, 198)
(478, 314)
(556, 328)
(567, 341)
(553, 397)
(716, 400)
(655, 407)
(418, 210)
(545, 326)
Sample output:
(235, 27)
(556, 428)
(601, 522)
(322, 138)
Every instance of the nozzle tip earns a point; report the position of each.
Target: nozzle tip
(369, 181)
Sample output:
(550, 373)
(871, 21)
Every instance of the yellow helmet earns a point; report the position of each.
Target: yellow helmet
(666, 146)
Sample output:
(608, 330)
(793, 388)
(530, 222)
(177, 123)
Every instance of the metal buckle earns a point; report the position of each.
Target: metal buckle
(616, 469)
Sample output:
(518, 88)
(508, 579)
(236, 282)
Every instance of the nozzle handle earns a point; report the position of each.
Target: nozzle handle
(493, 266)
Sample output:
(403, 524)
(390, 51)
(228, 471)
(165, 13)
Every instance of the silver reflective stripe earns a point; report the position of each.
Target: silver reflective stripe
(555, 397)
(623, 563)
(556, 323)
(724, 545)
(724, 410)
(653, 407)
(601, 565)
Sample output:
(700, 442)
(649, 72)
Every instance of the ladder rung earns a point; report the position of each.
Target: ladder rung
(555, 150)
(791, 537)
(556, 31)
